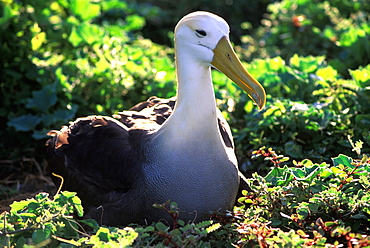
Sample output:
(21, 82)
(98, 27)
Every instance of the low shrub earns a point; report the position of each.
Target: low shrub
(338, 30)
(304, 205)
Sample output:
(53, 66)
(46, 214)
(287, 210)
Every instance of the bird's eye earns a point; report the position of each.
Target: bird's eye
(200, 33)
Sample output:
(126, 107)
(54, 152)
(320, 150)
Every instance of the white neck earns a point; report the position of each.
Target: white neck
(195, 111)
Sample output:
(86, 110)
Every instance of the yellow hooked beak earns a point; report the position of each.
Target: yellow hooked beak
(227, 62)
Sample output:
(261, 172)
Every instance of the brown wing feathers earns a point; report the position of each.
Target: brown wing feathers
(154, 112)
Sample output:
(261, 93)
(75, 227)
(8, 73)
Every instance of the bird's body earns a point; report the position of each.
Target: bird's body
(183, 155)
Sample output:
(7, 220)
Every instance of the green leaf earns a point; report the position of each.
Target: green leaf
(75, 38)
(359, 216)
(21, 242)
(78, 206)
(303, 213)
(19, 205)
(327, 73)
(343, 160)
(86, 32)
(28, 215)
(361, 76)
(43, 99)
(63, 114)
(38, 40)
(279, 176)
(91, 223)
(85, 9)
(68, 194)
(326, 173)
(161, 227)
(70, 228)
(41, 236)
(134, 22)
(307, 64)
(173, 206)
(40, 134)
(298, 173)
(307, 173)
(338, 172)
(275, 221)
(89, 32)
(103, 234)
(25, 122)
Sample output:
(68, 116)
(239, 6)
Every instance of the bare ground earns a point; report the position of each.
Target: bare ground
(21, 179)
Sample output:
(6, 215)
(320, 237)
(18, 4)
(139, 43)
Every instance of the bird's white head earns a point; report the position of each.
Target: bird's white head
(203, 37)
(200, 32)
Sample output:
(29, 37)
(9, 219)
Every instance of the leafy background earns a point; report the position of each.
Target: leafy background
(61, 59)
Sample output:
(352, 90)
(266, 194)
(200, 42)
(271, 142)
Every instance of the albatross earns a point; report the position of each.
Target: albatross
(178, 149)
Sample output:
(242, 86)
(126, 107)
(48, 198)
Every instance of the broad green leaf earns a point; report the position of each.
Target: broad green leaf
(303, 213)
(161, 227)
(299, 174)
(337, 171)
(276, 64)
(325, 173)
(361, 76)
(279, 176)
(38, 40)
(103, 234)
(327, 73)
(21, 242)
(275, 221)
(41, 236)
(59, 115)
(307, 173)
(25, 122)
(70, 228)
(134, 22)
(68, 194)
(78, 206)
(40, 134)
(74, 38)
(343, 160)
(351, 36)
(173, 206)
(306, 163)
(19, 205)
(91, 223)
(43, 99)
(307, 64)
(89, 33)
(85, 9)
